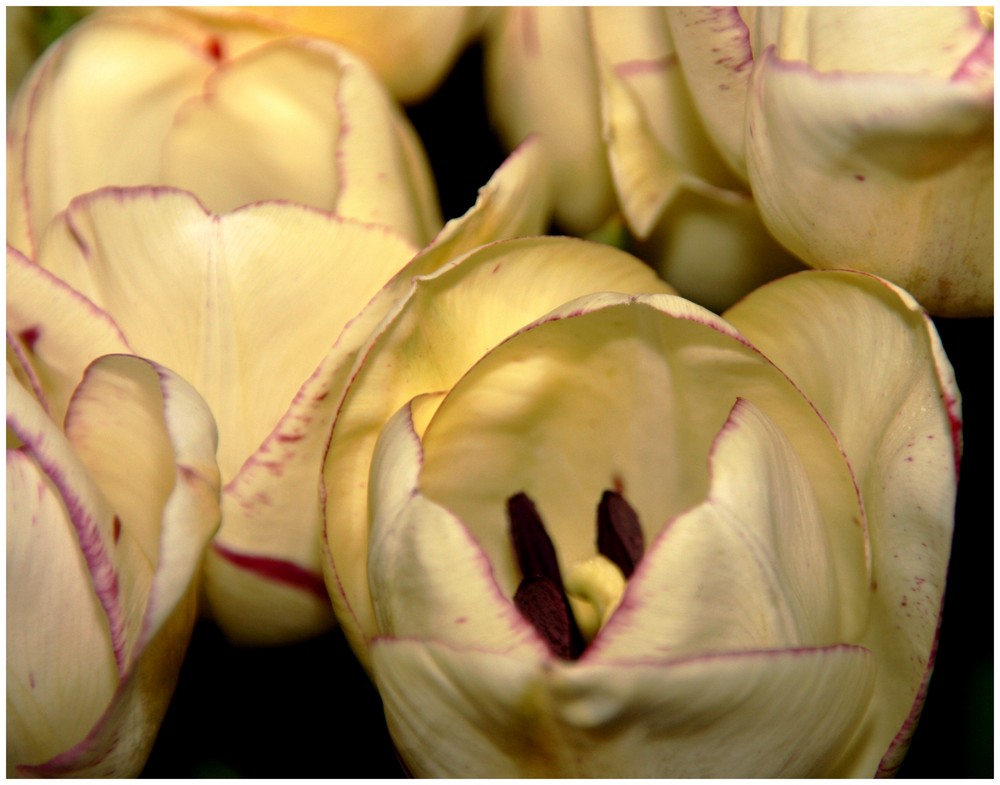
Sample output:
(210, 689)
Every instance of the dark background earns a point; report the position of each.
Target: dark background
(308, 710)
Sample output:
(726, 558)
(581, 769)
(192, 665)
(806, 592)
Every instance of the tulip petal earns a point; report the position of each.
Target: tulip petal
(862, 345)
(541, 80)
(59, 331)
(212, 297)
(168, 490)
(319, 130)
(425, 571)
(445, 323)
(750, 568)
(901, 166)
(460, 712)
(52, 608)
(514, 203)
(66, 138)
(138, 562)
(713, 44)
(410, 47)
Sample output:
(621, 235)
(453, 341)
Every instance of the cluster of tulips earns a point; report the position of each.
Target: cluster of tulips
(676, 505)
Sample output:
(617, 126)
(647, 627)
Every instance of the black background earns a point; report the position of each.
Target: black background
(308, 710)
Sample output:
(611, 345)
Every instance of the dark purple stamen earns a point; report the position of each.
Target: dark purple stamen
(544, 605)
(536, 555)
(619, 536)
(541, 597)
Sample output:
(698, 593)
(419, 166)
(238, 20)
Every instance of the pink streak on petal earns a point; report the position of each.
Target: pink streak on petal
(276, 570)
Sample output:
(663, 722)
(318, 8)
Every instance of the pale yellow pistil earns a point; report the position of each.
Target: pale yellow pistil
(594, 588)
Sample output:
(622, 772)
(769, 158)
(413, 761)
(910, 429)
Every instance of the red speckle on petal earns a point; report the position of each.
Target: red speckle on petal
(213, 47)
(29, 337)
(116, 529)
(859, 177)
(31, 679)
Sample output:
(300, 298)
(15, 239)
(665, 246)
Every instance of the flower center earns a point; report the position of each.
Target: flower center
(568, 616)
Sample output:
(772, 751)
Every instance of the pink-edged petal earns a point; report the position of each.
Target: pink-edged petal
(637, 45)
(749, 568)
(714, 46)
(320, 129)
(541, 79)
(85, 119)
(920, 41)
(244, 306)
(463, 712)
(440, 327)
(427, 574)
(148, 441)
(52, 608)
(409, 47)
(138, 565)
(893, 175)
(516, 202)
(863, 345)
(57, 331)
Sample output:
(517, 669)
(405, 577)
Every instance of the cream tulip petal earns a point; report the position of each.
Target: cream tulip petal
(427, 575)
(646, 175)
(621, 384)
(473, 713)
(120, 573)
(713, 44)
(931, 41)
(59, 331)
(715, 252)
(52, 609)
(516, 202)
(902, 166)
(125, 403)
(638, 47)
(749, 568)
(319, 128)
(167, 493)
(540, 77)
(385, 175)
(410, 47)
(66, 138)
(443, 325)
(862, 345)
(212, 297)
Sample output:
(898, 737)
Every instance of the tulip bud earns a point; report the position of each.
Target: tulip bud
(232, 112)
(107, 525)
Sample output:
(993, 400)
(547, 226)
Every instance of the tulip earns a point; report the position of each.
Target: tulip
(605, 90)
(411, 48)
(438, 328)
(107, 524)
(866, 135)
(638, 540)
(234, 114)
(263, 310)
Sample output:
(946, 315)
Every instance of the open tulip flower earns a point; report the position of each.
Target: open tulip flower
(442, 325)
(230, 111)
(866, 135)
(108, 520)
(262, 310)
(636, 539)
